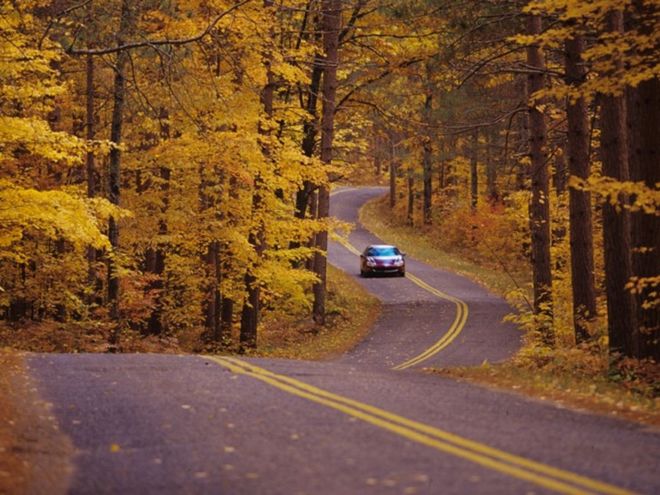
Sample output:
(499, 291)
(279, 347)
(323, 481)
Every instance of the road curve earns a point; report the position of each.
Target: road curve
(200, 424)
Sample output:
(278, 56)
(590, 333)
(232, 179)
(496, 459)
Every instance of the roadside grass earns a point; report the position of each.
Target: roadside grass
(351, 313)
(581, 378)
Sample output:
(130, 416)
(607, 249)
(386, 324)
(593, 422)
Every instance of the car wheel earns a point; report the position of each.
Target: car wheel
(363, 274)
(402, 274)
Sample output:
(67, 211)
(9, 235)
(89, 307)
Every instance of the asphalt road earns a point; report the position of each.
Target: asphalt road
(191, 424)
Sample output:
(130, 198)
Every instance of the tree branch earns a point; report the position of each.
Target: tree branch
(174, 42)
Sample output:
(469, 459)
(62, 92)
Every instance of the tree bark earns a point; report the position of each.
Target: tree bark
(539, 210)
(474, 172)
(581, 228)
(410, 217)
(491, 168)
(331, 26)
(621, 315)
(393, 172)
(428, 161)
(644, 154)
(310, 130)
(90, 134)
(114, 168)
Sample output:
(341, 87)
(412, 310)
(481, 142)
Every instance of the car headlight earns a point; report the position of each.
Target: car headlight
(371, 262)
(398, 262)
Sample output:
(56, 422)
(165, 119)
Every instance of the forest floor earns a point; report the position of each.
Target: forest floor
(580, 379)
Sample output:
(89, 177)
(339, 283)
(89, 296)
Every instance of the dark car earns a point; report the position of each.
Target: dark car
(382, 258)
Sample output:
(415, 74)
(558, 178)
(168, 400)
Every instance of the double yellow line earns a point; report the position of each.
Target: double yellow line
(534, 472)
(456, 327)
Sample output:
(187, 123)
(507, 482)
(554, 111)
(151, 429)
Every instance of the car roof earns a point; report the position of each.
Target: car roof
(380, 246)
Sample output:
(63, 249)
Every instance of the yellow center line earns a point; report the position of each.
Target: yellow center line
(518, 467)
(448, 337)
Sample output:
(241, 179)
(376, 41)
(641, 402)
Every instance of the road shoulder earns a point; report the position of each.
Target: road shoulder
(35, 456)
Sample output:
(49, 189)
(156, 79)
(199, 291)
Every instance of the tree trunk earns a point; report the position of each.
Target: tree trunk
(491, 168)
(428, 161)
(90, 134)
(644, 153)
(331, 26)
(393, 173)
(114, 169)
(581, 228)
(310, 130)
(539, 210)
(155, 324)
(616, 221)
(474, 172)
(410, 217)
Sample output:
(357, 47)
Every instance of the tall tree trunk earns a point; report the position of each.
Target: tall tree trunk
(155, 324)
(581, 228)
(644, 153)
(393, 173)
(114, 169)
(474, 172)
(310, 130)
(331, 25)
(428, 160)
(621, 315)
(90, 135)
(539, 210)
(491, 168)
(251, 305)
(410, 217)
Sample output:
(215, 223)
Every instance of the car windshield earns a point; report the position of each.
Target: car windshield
(383, 251)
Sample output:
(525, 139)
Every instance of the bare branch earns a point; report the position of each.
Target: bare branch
(174, 42)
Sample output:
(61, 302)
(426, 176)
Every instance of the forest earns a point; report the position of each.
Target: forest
(166, 166)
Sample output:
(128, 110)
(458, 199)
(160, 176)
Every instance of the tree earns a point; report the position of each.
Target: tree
(621, 315)
(581, 227)
(539, 211)
(332, 10)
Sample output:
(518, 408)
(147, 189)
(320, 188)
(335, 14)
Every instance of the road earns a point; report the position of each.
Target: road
(166, 424)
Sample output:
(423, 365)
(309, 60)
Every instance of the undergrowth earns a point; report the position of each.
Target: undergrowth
(350, 314)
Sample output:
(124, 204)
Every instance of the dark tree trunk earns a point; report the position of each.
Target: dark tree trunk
(114, 169)
(310, 130)
(428, 161)
(331, 25)
(644, 153)
(491, 168)
(90, 134)
(393, 173)
(226, 317)
(621, 315)
(474, 172)
(155, 324)
(581, 228)
(410, 217)
(539, 210)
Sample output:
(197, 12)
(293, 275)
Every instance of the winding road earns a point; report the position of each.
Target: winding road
(367, 423)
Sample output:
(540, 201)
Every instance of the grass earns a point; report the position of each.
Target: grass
(579, 378)
(593, 392)
(351, 312)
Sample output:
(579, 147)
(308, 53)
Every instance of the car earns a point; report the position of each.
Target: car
(382, 258)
